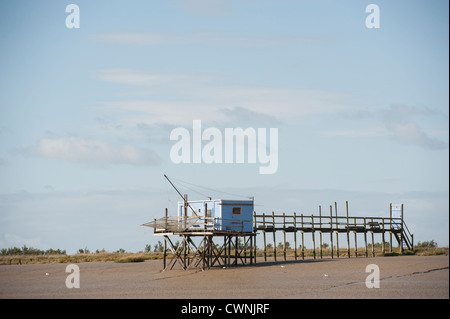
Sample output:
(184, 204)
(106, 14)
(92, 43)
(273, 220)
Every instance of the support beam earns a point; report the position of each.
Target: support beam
(320, 232)
(331, 230)
(348, 231)
(337, 227)
(274, 241)
(313, 240)
(295, 236)
(284, 237)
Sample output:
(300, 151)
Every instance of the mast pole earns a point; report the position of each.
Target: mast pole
(186, 203)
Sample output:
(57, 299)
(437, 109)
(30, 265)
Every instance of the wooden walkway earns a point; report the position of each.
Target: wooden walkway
(301, 224)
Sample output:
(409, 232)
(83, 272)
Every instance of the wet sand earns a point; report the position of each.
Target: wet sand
(400, 277)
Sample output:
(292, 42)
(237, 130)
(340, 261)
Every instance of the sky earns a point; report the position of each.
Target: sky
(86, 114)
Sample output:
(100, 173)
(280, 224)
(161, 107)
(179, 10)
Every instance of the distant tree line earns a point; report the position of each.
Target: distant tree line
(159, 248)
(30, 251)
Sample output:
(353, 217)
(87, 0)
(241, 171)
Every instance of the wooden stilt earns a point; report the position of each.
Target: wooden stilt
(348, 231)
(320, 231)
(274, 241)
(204, 253)
(295, 236)
(401, 229)
(302, 232)
(331, 230)
(337, 227)
(264, 237)
(284, 236)
(373, 244)
(365, 237)
(165, 253)
(390, 227)
(229, 250)
(245, 251)
(313, 241)
(236, 249)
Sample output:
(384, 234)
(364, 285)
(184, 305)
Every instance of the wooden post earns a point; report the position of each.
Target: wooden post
(383, 244)
(184, 252)
(245, 250)
(185, 209)
(365, 237)
(229, 250)
(167, 214)
(337, 230)
(264, 237)
(251, 239)
(356, 243)
(295, 236)
(303, 243)
(320, 231)
(253, 243)
(401, 229)
(251, 249)
(313, 241)
(331, 230)
(236, 251)
(205, 222)
(224, 249)
(284, 236)
(348, 232)
(373, 244)
(274, 240)
(165, 253)
(390, 227)
(204, 252)
(210, 251)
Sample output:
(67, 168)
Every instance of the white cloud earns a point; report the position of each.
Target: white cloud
(363, 132)
(402, 123)
(197, 97)
(92, 151)
(139, 38)
(421, 126)
(149, 79)
(411, 133)
(201, 7)
(127, 76)
(208, 38)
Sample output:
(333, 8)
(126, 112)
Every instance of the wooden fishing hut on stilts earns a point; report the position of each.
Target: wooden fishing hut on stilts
(213, 232)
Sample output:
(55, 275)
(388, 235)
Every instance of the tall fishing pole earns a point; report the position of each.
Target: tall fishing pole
(184, 199)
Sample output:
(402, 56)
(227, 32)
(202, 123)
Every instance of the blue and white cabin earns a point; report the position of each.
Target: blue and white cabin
(229, 215)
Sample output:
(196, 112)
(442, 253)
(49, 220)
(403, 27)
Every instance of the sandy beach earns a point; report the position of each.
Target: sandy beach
(400, 277)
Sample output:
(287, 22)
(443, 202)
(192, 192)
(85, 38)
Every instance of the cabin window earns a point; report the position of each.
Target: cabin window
(208, 213)
(236, 210)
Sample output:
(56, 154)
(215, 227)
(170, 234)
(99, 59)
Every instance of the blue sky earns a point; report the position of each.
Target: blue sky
(86, 114)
